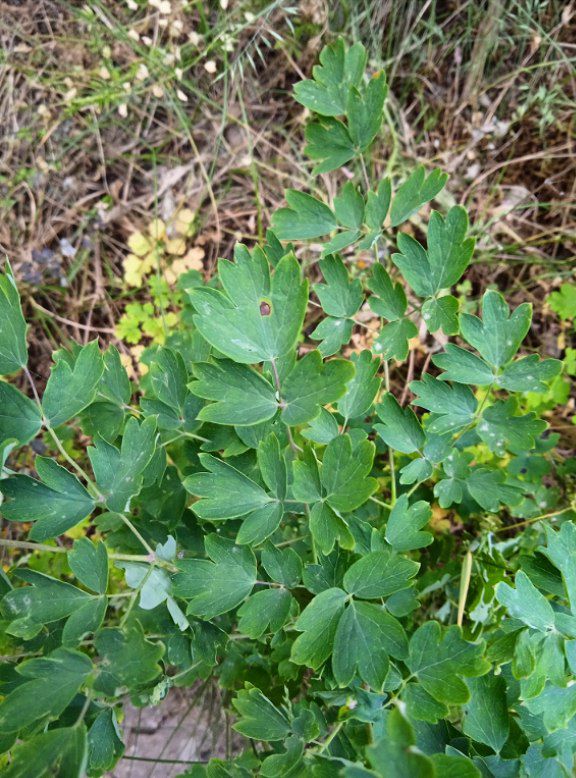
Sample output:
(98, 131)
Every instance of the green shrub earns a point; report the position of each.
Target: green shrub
(270, 515)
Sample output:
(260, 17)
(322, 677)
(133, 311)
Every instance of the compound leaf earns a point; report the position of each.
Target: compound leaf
(304, 219)
(73, 383)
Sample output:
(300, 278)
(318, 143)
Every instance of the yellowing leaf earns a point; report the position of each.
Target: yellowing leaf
(192, 260)
(184, 221)
(176, 246)
(139, 244)
(157, 229)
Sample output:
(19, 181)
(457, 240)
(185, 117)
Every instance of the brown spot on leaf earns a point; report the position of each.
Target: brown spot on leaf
(265, 309)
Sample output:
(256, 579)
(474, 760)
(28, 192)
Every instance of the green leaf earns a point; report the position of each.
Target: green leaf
(72, 384)
(329, 142)
(392, 342)
(327, 528)
(128, 659)
(501, 430)
(57, 753)
(440, 658)
(339, 296)
(168, 378)
(105, 746)
(334, 333)
(454, 766)
(404, 525)
(417, 190)
(441, 313)
(379, 574)
(224, 492)
(51, 682)
(366, 635)
(349, 208)
(489, 489)
(397, 752)
(282, 565)
(84, 621)
(19, 415)
(340, 68)
(305, 218)
(560, 549)
(388, 300)
(311, 384)
(218, 586)
(260, 524)
(400, 429)
(318, 623)
(363, 388)
(377, 205)
(563, 301)
(345, 471)
(45, 601)
(449, 251)
(242, 396)
(412, 261)
(258, 717)
(55, 503)
(529, 374)
(115, 384)
(453, 406)
(265, 611)
(486, 714)
(89, 563)
(340, 241)
(498, 335)
(255, 319)
(364, 111)
(13, 349)
(463, 366)
(526, 603)
(120, 473)
(322, 429)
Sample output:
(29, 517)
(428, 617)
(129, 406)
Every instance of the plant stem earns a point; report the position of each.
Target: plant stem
(25, 545)
(390, 452)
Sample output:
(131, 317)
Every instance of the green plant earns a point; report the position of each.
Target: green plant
(284, 524)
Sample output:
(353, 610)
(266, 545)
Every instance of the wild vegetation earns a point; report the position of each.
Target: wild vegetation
(323, 484)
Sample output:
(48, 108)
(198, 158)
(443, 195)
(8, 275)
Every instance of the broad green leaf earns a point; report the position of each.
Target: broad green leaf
(489, 489)
(306, 483)
(417, 190)
(311, 384)
(168, 378)
(217, 586)
(379, 574)
(366, 635)
(340, 68)
(120, 473)
(105, 746)
(45, 601)
(344, 474)
(89, 563)
(224, 492)
(392, 342)
(441, 313)
(328, 528)
(305, 218)
(57, 753)
(242, 396)
(563, 301)
(340, 241)
(404, 525)
(388, 299)
(361, 391)
(412, 261)
(13, 349)
(283, 565)
(455, 766)
(463, 366)
(439, 658)
(377, 205)
(323, 428)
(258, 717)
(529, 374)
(339, 296)
(498, 335)
(364, 110)
(328, 142)
(453, 406)
(265, 611)
(51, 682)
(333, 334)
(420, 706)
(128, 659)
(55, 503)
(84, 621)
(72, 384)
(560, 549)
(102, 419)
(255, 319)
(558, 706)
(20, 417)
(115, 384)
(396, 753)
(318, 623)
(503, 431)
(486, 717)
(260, 524)
(349, 208)
(400, 429)
(526, 603)
(449, 250)
(272, 465)
(288, 763)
